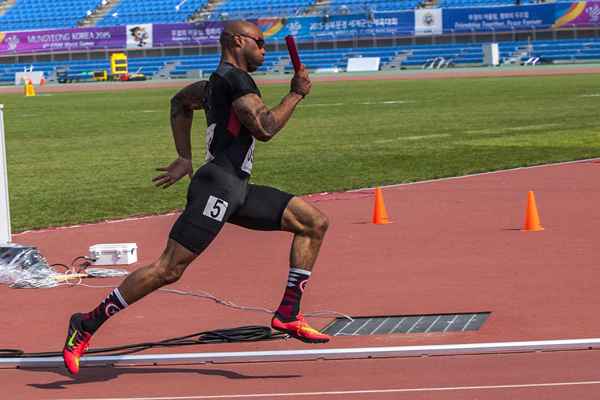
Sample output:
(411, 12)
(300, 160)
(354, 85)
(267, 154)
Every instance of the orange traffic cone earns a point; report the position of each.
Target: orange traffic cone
(532, 219)
(380, 215)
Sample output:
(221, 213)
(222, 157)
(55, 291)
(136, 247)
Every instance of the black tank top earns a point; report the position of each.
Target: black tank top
(228, 143)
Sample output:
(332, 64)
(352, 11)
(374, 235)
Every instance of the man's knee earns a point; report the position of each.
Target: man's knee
(320, 224)
(171, 265)
(168, 273)
(316, 225)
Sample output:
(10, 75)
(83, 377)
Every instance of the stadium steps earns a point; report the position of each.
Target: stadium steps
(100, 12)
(205, 11)
(165, 71)
(46, 15)
(151, 11)
(397, 60)
(235, 9)
(317, 7)
(5, 6)
(280, 65)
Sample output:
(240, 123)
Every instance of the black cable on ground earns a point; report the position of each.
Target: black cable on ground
(233, 335)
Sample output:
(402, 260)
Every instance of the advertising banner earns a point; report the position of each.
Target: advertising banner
(340, 26)
(62, 40)
(428, 22)
(365, 25)
(170, 35)
(582, 13)
(510, 18)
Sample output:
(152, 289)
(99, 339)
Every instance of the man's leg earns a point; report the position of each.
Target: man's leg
(309, 226)
(166, 270)
(269, 209)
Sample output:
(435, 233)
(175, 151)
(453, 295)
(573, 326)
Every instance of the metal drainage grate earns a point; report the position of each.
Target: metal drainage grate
(365, 326)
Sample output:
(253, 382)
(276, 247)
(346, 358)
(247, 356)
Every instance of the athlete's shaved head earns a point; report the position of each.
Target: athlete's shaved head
(243, 44)
(233, 28)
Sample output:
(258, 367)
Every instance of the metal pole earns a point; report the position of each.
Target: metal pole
(5, 236)
(316, 354)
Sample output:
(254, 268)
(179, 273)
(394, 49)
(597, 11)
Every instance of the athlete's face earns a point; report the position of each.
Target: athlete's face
(254, 49)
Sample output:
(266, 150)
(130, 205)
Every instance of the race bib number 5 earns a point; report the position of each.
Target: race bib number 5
(215, 208)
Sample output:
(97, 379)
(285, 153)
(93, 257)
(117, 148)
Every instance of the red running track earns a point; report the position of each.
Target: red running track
(455, 246)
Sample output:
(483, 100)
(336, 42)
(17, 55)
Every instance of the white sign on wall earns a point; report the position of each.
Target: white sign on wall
(428, 21)
(22, 77)
(363, 64)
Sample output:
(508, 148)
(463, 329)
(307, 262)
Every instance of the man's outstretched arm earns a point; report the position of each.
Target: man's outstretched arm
(264, 123)
(183, 104)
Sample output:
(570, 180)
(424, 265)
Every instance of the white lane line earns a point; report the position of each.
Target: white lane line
(370, 103)
(396, 185)
(513, 128)
(364, 103)
(590, 95)
(417, 137)
(500, 171)
(322, 105)
(352, 392)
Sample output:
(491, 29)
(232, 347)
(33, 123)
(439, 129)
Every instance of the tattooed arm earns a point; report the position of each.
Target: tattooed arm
(183, 104)
(265, 123)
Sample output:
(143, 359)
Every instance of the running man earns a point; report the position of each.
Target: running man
(219, 191)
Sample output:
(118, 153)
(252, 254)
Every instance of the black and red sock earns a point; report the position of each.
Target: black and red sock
(290, 305)
(111, 305)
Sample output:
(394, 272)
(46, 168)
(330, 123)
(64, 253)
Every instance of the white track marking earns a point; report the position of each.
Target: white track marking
(590, 95)
(115, 221)
(357, 392)
(420, 137)
(502, 171)
(361, 103)
(323, 105)
(513, 128)
(369, 103)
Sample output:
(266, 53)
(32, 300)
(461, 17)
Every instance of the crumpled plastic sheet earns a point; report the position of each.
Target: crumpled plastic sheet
(25, 267)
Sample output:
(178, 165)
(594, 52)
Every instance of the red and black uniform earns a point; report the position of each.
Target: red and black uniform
(220, 191)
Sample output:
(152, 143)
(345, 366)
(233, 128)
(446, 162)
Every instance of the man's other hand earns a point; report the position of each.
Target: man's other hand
(174, 172)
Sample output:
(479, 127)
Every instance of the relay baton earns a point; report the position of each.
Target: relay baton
(293, 50)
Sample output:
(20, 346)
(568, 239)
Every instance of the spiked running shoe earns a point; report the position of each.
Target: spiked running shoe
(300, 330)
(76, 344)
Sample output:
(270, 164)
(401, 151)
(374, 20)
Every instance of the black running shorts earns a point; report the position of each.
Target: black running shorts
(216, 196)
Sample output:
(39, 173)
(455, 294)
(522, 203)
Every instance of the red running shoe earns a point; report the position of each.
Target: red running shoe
(76, 344)
(300, 330)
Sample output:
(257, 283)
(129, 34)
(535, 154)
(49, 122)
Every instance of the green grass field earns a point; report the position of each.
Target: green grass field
(83, 157)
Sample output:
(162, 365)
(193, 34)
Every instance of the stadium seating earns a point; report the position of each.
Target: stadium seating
(260, 8)
(475, 3)
(151, 11)
(580, 50)
(42, 14)
(362, 6)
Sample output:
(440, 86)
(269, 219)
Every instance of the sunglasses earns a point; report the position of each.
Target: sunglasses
(260, 43)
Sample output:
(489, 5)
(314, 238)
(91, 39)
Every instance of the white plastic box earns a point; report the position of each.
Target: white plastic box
(113, 253)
